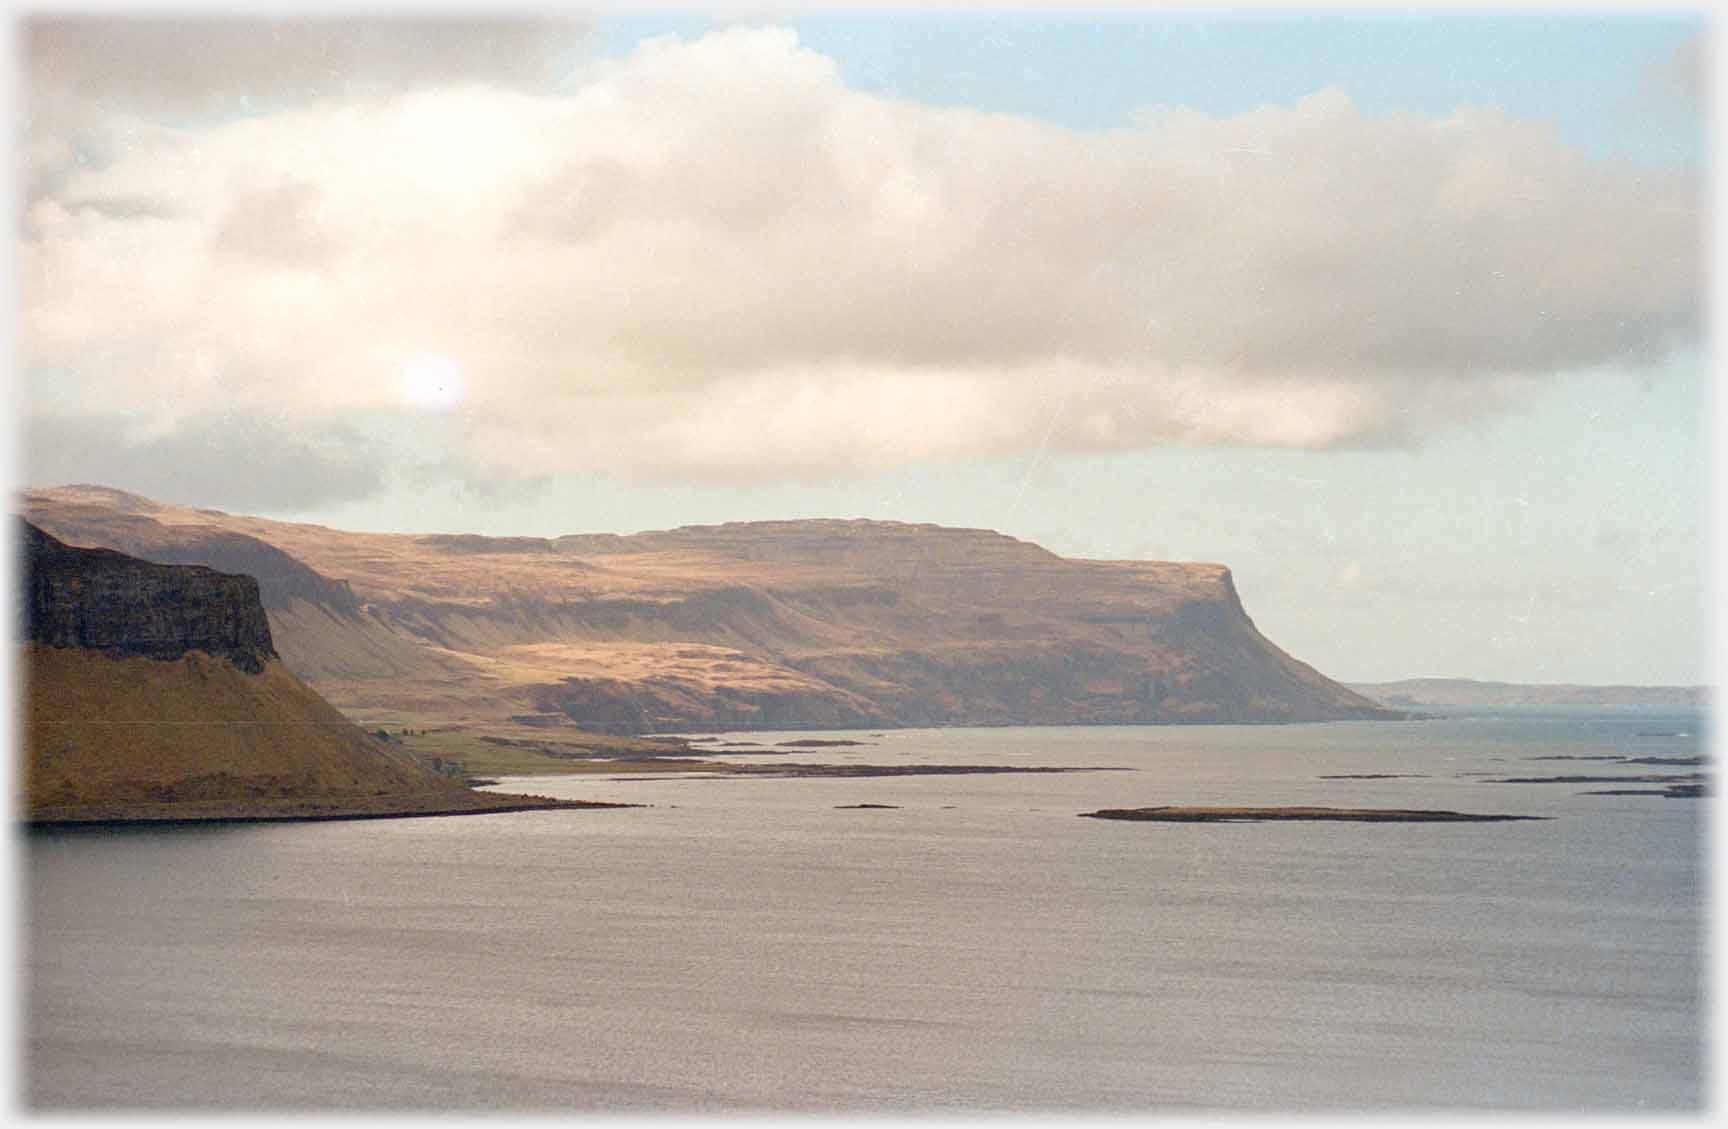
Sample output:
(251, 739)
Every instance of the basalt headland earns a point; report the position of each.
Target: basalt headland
(761, 625)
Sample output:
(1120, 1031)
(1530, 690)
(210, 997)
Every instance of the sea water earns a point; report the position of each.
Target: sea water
(750, 944)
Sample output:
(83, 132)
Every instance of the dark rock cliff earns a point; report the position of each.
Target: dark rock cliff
(104, 600)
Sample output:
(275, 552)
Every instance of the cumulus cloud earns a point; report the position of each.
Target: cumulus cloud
(714, 257)
(92, 82)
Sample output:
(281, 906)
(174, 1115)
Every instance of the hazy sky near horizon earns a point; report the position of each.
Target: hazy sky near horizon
(1402, 318)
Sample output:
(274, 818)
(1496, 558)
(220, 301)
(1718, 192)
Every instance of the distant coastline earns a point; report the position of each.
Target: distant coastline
(1469, 692)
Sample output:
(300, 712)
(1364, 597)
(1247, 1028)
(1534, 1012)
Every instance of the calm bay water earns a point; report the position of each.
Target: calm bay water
(743, 945)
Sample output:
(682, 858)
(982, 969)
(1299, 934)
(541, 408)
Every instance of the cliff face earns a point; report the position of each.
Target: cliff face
(815, 624)
(105, 600)
(153, 692)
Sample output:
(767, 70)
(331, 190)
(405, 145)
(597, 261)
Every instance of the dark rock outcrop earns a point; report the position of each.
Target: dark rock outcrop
(104, 600)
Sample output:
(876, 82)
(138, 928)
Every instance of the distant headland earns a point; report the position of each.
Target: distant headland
(1467, 692)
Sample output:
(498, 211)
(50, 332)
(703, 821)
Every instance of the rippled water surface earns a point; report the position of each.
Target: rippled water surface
(742, 944)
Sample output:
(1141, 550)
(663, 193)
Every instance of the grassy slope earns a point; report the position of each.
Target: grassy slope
(112, 737)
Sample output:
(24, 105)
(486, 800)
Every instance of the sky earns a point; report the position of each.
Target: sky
(1401, 318)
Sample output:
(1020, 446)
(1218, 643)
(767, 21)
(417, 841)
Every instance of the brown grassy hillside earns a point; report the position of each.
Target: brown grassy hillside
(103, 730)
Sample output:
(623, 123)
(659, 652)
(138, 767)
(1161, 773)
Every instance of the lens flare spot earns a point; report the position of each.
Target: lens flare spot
(432, 384)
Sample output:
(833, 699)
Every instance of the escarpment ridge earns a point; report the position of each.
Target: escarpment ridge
(786, 624)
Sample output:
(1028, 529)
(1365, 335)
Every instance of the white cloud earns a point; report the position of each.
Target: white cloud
(715, 257)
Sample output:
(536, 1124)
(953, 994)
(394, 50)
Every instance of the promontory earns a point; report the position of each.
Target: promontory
(759, 625)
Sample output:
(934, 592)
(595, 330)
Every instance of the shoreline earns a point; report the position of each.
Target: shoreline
(162, 816)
